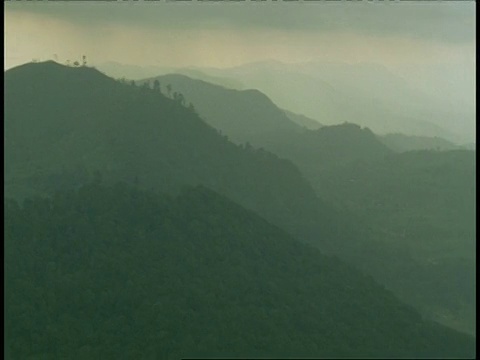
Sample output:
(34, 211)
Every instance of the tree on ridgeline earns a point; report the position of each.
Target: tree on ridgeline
(156, 85)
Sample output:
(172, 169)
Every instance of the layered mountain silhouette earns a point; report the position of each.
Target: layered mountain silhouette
(78, 121)
(369, 93)
(242, 115)
(402, 143)
(365, 93)
(115, 272)
(420, 202)
(63, 124)
(303, 120)
(248, 116)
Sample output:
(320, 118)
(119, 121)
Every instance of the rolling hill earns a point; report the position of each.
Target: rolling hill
(402, 143)
(419, 205)
(116, 272)
(303, 120)
(77, 121)
(242, 115)
(64, 124)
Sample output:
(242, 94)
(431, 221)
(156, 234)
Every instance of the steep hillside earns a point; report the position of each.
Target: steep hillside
(303, 120)
(415, 232)
(428, 197)
(137, 72)
(62, 124)
(367, 94)
(245, 115)
(249, 116)
(402, 143)
(424, 200)
(114, 272)
(332, 146)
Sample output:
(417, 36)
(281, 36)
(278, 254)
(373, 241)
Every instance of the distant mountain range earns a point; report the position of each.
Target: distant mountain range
(242, 115)
(361, 172)
(250, 116)
(77, 122)
(303, 120)
(367, 94)
(136, 72)
(402, 143)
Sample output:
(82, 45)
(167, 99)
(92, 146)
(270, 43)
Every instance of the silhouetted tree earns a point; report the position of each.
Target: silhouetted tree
(156, 85)
(146, 85)
(84, 60)
(179, 97)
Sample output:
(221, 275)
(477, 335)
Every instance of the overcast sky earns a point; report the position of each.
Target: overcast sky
(230, 33)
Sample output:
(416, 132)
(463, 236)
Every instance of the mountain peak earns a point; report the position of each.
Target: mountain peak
(51, 71)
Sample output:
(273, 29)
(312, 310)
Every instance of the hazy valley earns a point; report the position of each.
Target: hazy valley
(148, 135)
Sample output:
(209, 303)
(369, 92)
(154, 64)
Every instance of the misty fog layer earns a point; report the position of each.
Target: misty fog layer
(190, 179)
(399, 67)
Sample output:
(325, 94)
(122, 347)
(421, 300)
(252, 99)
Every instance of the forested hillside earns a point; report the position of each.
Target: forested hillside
(115, 272)
(402, 143)
(78, 121)
(242, 115)
(419, 205)
(259, 180)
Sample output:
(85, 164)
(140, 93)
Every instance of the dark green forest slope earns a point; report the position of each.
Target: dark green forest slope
(77, 121)
(119, 273)
(420, 205)
(402, 143)
(425, 198)
(250, 116)
(303, 120)
(242, 115)
(63, 124)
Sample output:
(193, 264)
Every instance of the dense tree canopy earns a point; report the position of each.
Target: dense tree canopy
(115, 272)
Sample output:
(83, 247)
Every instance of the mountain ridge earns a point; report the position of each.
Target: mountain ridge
(149, 271)
(119, 129)
(69, 129)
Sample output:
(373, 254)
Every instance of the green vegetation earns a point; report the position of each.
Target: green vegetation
(367, 94)
(419, 205)
(65, 125)
(119, 273)
(402, 143)
(244, 116)
(138, 135)
(303, 120)
(78, 121)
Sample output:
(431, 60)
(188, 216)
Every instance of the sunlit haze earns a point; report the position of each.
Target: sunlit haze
(430, 45)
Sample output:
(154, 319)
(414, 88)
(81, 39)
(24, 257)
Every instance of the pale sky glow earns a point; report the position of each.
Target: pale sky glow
(428, 44)
(215, 35)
